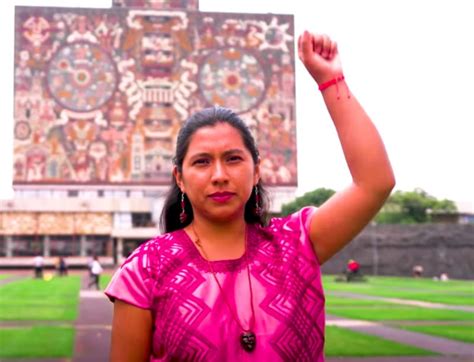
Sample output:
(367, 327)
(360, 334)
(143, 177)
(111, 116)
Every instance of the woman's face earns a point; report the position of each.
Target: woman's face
(218, 173)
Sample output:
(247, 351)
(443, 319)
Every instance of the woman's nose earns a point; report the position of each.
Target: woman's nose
(219, 172)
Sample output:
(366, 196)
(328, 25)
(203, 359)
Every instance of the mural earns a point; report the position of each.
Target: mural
(51, 223)
(100, 94)
(158, 4)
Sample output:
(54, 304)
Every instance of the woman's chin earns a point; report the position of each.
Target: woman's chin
(225, 215)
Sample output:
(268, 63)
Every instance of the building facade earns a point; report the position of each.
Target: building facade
(100, 95)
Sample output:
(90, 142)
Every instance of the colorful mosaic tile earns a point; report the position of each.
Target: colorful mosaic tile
(52, 223)
(158, 4)
(100, 94)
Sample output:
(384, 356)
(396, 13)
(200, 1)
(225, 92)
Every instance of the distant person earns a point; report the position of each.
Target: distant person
(38, 263)
(62, 267)
(90, 261)
(417, 271)
(352, 270)
(95, 271)
(444, 277)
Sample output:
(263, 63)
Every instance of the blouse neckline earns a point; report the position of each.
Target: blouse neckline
(226, 265)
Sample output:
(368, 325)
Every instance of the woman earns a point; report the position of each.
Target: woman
(221, 286)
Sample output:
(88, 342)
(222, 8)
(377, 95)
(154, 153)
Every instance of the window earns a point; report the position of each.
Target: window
(117, 194)
(136, 194)
(27, 245)
(26, 194)
(59, 194)
(122, 220)
(97, 244)
(88, 194)
(141, 219)
(73, 193)
(3, 246)
(64, 245)
(44, 194)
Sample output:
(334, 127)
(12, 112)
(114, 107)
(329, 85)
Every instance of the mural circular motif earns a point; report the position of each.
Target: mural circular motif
(82, 77)
(232, 78)
(22, 130)
(274, 36)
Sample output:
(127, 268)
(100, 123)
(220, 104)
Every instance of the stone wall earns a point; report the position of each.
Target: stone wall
(395, 249)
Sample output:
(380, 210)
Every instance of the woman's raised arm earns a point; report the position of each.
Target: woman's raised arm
(347, 212)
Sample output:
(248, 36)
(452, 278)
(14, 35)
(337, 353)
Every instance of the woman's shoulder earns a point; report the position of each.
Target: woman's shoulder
(292, 222)
(151, 250)
(289, 234)
(163, 242)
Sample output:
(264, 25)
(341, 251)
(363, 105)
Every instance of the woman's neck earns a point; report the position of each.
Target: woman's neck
(219, 241)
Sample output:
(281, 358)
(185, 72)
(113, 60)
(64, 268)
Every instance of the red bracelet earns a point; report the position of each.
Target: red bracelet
(332, 82)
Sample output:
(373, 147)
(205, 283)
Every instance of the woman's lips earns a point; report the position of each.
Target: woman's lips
(221, 196)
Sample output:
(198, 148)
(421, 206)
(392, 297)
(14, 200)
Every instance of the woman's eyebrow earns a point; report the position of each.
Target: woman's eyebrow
(233, 151)
(208, 154)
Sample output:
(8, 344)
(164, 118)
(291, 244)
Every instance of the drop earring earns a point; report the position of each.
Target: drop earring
(183, 216)
(257, 210)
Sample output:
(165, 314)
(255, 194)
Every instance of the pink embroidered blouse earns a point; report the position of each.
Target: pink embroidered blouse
(192, 321)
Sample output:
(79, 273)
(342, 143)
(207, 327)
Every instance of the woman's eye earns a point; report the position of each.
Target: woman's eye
(200, 161)
(234, 158)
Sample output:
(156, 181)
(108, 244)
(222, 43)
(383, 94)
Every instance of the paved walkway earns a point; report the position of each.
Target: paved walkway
(93, 325)
(414, 303)
(439, 345)
(13, 278)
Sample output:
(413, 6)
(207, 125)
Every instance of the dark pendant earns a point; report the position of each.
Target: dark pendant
(248, 341)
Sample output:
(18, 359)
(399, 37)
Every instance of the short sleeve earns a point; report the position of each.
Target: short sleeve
(133, 283)
(298, 225)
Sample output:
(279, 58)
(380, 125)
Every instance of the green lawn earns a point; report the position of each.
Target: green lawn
(399, 313)
(453, 292)
(380, 311)
(38, 342)
(343, 342)
(461, 332)
(4, 276)
(38, 299)
(456, 292)
(104, 280)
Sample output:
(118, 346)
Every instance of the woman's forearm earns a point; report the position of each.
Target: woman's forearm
(361, 143)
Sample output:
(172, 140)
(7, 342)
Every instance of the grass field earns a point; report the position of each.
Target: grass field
(57, 300)
(457, 332)
(4, 276)
(52, 342)
(37, 299)
(104, 280)
(380, 311)
(456, 292)
(342, 342)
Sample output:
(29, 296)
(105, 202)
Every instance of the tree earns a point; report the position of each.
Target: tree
(412, 207)
(316, 198)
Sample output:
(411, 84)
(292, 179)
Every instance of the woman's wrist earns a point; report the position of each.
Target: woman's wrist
(334, 82)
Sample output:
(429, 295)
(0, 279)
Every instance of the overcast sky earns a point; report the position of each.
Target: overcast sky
(410, 64)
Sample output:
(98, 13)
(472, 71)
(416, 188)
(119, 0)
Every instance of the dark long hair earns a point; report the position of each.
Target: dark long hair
(210, 117)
